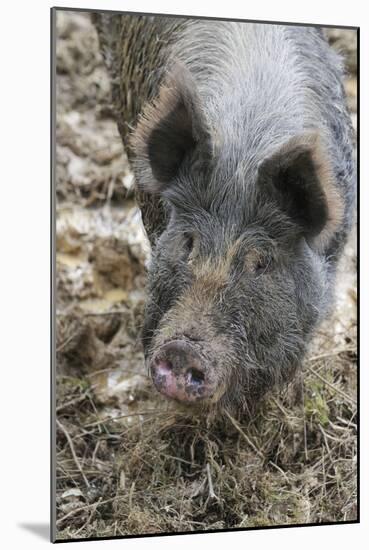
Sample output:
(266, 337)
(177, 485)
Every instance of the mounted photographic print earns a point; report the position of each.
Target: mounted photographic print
(204, 370)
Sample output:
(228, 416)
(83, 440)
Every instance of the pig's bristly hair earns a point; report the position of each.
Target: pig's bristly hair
(207, 99)
(248, 94)
(174, 125)
(258, 86)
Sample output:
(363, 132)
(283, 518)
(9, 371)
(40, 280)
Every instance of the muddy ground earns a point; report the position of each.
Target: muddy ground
(127, 462)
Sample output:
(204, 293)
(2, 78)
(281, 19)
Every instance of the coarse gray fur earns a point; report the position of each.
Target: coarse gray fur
(243, 263)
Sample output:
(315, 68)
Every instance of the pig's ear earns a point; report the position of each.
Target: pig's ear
(300, 178)
(167, 131)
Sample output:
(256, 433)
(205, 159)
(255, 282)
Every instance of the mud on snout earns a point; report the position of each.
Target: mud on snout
(180, 370)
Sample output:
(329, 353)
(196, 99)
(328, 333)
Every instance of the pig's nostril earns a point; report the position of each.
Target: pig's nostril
(179, 372)
(195, 376)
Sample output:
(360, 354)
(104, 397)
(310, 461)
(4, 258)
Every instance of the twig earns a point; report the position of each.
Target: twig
(87, 521)
(86, 507)
(347, 422)
(179, 459)
(210, 482)
(304, 418)
(332, 354)
(332, 386)
(102, 313)
(63, 344)
(324, 475)
(325, 440)
(72, 402)
(277, 404)
(332, 438)
(281, 471)
(75, 458)
(91, 313)
(95, 451)
(246, 438)
(111, 418)
(130, 496)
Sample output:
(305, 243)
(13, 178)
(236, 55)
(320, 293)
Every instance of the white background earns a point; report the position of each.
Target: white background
(25, 268)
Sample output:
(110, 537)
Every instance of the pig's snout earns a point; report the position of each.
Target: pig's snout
(179, 373)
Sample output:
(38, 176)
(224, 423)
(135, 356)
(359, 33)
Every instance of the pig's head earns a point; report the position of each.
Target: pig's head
(239, 277)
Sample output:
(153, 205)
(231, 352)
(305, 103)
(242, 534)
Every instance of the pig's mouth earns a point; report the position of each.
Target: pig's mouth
(180, 372)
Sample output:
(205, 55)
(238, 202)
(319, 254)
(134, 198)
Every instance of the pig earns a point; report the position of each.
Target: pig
(242, 149)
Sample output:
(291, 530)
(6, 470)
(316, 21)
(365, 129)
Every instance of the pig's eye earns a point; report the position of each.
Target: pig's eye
(262, 265)
(256, 262)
